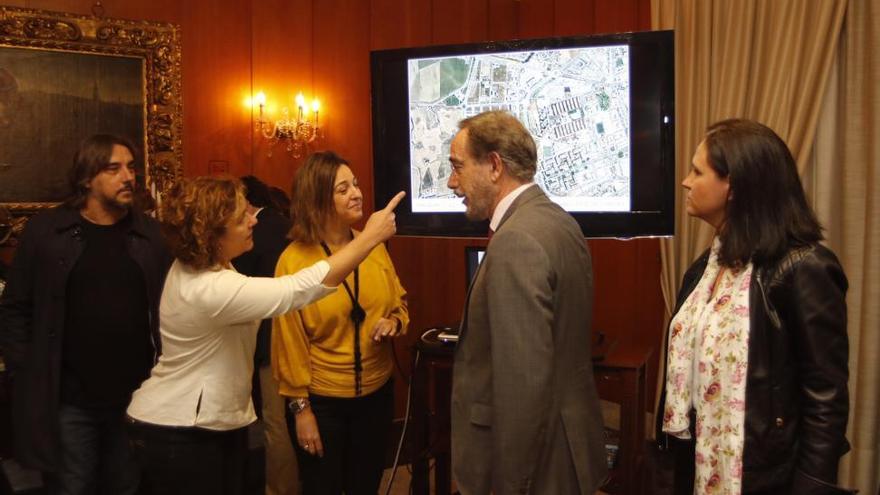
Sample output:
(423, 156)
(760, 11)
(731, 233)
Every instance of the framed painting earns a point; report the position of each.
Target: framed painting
(65, 77)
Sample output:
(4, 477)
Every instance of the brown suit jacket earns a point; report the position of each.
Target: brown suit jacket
(525, 412)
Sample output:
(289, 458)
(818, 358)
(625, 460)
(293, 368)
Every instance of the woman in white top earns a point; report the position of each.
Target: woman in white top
(187, 421)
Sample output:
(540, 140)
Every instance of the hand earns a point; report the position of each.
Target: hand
(385, 328)
(307, 434)
(380, 226)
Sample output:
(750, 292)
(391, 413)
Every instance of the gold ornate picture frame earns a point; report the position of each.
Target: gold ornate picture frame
(64, 77)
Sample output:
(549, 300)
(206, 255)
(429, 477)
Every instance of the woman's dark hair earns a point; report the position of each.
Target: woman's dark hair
(767, 212)
(281, 200)
(257, 192)
(312, 203)
(91, 158)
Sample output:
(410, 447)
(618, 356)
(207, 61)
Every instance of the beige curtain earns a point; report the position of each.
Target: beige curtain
(785, 63)
(766, 60)
(845, 187)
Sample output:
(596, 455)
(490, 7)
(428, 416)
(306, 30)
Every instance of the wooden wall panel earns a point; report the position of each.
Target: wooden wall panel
(574, 17)
(536, 18)
(615, 16)
(159, 10)
(503, 19)
(216, 73)
(459, 21)
(628, 303)
(399, 23)
(282, 60)
(342, 79)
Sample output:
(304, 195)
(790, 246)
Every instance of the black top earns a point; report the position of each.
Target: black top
(107, 350)
(270, 240)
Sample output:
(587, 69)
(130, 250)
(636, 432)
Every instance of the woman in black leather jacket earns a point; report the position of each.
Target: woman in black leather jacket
(755, 398)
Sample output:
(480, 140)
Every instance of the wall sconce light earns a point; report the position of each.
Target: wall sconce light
(296, 134)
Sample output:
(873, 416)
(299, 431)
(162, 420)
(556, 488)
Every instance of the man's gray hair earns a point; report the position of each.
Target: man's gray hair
(500, 132)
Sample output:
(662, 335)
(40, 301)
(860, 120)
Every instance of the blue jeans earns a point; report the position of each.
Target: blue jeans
(95, 457)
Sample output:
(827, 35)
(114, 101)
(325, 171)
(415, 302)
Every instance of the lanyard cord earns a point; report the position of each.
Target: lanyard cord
(357, 316)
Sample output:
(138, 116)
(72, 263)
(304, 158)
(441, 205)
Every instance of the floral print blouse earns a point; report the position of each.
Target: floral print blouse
(706, 371)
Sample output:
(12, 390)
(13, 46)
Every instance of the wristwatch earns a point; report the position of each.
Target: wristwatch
(298, 404)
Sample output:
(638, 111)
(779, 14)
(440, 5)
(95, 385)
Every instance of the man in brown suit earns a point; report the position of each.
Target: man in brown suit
(525, 412)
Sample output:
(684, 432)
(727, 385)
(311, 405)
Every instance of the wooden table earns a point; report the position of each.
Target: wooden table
(620, 378)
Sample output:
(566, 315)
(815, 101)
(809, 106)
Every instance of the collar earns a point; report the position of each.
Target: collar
(70, 218)
(505, 203)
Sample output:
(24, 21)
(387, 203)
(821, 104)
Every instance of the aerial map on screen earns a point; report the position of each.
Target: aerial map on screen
(575, 102)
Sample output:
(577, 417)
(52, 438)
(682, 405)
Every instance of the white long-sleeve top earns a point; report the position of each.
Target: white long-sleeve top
(208, 322)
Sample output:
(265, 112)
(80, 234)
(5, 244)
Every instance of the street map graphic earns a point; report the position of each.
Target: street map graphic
(575, 102)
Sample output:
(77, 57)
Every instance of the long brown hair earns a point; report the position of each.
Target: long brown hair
(312, 197)
(767, 212)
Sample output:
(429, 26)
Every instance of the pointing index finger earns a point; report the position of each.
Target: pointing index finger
(395, 201)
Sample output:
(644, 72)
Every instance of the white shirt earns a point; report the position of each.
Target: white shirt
(208, 321)
(505, 203)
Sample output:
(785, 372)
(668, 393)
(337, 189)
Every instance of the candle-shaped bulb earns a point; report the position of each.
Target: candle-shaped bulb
(316, 105)
(300, 103)
(260, 99)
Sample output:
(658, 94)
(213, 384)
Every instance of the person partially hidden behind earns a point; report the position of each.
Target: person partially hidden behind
(525, 411)
(755, 397)
(333, 358)
(79, 324)
(270, 239)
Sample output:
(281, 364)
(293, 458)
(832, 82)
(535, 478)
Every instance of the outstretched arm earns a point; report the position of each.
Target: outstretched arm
(380, 226)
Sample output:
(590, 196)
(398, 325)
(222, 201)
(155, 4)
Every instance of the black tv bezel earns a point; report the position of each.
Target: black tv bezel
(471, 263)
(653, 141)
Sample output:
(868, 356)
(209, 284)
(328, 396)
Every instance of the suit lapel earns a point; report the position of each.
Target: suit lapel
(526, 196)
(462, 328)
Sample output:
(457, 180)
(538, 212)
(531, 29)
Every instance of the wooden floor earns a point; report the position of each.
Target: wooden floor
(402, 479)
(658, 476)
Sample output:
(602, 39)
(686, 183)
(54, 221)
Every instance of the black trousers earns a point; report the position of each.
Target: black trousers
(354, 433)
(189, 461)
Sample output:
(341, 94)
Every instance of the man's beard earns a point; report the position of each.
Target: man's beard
(115, 203)
(480, 201)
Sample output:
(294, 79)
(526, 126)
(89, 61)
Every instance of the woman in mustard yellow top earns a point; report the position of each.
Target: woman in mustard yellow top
(333, 358)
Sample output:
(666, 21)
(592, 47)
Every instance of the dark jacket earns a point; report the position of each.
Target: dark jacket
(270, 240)
(32, 315)
(797, 403)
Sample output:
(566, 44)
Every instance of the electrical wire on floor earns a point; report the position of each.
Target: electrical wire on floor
(405, 425)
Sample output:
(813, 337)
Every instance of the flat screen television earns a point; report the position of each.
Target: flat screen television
(601, 109)
(473, 256)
